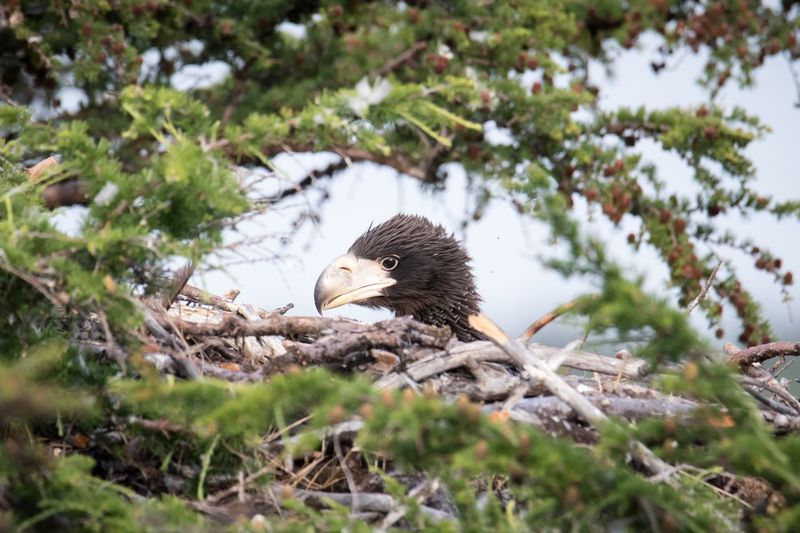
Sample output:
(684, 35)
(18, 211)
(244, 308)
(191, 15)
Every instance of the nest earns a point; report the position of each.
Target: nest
(563, 391)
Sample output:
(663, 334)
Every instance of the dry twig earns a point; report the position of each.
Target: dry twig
(534, 328)
(403, 58)
(536, 369)
(699, 298)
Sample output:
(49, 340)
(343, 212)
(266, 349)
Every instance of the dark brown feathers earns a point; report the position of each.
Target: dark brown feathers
(435, 283)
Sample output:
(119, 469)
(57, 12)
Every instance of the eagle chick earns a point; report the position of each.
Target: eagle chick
(410, 266)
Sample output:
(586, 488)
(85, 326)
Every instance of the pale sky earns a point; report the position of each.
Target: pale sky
(515, 287)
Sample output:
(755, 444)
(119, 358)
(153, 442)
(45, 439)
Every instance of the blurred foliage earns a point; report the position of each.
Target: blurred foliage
(409, 85)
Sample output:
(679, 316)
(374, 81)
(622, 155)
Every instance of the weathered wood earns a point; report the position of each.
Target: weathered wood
(254, 348)
(395, 334)
(232, 326)
(631, 409)
(482, 351)
(537, 369)
(758, 354)
(36, 171)
(406, 353)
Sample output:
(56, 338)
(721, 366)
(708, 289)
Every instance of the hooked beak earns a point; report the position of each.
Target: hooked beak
(349, 279)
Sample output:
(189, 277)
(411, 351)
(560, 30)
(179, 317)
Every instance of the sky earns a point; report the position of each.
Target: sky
(506, 249)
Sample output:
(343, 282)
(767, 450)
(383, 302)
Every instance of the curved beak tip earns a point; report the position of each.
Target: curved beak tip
(319, 298)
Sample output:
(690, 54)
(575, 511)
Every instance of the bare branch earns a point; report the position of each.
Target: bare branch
(479, 351)
(420, 493)
(588, 411)
(36, 171)
(348, 474)
(631, 409)
(547, 319)
(232, 326)
(762, 352)
(699, 298)
(403, 58)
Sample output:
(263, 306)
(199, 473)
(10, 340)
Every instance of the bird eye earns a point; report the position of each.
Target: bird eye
(389, 263)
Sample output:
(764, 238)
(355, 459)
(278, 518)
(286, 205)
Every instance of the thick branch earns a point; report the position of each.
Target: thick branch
(758, 354)
(36, 171)
(485, 351)
(628, 408)
(232, 326)
(64, 193)
(536, 369)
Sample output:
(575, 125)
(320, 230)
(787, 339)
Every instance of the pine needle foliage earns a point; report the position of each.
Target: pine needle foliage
(411, 85)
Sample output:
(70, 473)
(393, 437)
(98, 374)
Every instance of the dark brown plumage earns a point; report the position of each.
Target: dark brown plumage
(410, 266)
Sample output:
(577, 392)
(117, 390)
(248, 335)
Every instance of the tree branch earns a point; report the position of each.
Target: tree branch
(480, 351)
(699, 298)
(547, 319)
(403, 58)
(762, 352)
(589, 412)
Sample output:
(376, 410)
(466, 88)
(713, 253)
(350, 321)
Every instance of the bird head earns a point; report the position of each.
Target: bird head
(408, 265)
